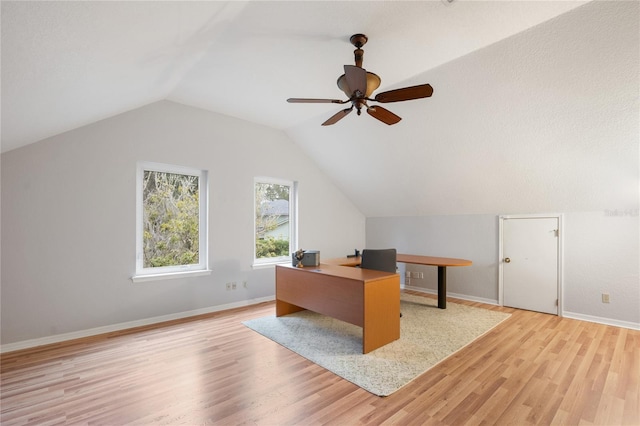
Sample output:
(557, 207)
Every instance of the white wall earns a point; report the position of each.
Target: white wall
(601, 254)
(472, 237)
(545, 121)
(68, 219)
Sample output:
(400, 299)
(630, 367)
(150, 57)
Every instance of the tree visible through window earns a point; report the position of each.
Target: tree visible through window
(171, 219)
(274, 219)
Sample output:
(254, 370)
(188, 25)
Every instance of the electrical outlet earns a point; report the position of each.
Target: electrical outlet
(228, 286)
(605, 297)
(244, 284)
(233, 285)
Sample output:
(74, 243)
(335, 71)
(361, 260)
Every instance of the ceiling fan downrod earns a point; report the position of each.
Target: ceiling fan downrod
(358, 40)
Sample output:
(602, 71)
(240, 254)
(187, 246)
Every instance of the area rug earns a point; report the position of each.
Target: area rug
(427, 336)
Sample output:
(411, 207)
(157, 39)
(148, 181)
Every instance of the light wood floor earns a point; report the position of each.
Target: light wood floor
(531, 369)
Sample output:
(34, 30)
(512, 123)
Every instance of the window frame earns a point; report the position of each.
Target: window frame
(165, 272)
(293, 220)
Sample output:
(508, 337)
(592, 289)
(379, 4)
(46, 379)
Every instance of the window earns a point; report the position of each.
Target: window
(171, 221)
(275, 211)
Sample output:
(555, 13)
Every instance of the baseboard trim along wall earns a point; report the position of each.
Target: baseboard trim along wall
(26, 344)
(455, 295)
(571, 315)
(600, 320)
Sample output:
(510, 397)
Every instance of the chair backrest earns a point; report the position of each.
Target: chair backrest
(379, 259)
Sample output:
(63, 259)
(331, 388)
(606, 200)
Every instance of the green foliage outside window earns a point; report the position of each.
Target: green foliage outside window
(268, 220)
(171, 219)
(271, 247)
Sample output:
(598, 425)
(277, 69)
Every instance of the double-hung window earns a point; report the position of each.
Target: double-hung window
(171, 229)
(275, 211)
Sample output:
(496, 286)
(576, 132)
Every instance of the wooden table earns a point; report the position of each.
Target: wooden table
(440, 262)
(363, 297)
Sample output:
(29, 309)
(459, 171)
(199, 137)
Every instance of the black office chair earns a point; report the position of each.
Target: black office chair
(380, 260)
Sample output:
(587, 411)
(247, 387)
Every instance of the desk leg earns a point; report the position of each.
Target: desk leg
(442, 287)
(381, 313)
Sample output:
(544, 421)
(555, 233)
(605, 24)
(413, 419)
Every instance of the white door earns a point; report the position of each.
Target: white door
(530, 263)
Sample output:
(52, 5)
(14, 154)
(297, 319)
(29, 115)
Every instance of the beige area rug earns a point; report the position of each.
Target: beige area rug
(427, 336)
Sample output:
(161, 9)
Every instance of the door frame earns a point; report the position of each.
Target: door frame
(557, 216)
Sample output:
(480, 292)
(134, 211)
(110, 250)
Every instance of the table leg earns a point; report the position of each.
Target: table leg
(442, 287)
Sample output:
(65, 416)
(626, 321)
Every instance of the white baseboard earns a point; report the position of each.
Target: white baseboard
(601, 320)
(572, 315)
(25, 344)
(455, 295)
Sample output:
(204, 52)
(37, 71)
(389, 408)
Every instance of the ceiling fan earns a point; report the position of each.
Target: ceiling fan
(358, 84)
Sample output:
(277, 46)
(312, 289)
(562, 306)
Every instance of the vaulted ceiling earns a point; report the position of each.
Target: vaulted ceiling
(68, 64)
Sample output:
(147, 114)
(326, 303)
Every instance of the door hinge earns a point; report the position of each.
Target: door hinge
(556, 302)
(557, 232)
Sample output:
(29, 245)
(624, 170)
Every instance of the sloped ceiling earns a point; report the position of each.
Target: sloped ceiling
(67, 64)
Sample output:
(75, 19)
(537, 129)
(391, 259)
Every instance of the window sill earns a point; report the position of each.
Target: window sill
(270, 264)
(169, 276)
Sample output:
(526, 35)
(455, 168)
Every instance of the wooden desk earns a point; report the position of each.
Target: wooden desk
(440, 262)
(363, 297)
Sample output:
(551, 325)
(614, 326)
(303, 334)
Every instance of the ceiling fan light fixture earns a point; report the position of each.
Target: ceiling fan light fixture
(373, 82)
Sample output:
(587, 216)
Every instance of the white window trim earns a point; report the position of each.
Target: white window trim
(293, 224)
(169, 272)
(169, 276)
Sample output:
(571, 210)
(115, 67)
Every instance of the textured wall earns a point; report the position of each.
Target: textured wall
(544, 121)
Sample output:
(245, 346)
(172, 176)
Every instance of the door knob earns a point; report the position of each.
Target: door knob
(507, 260)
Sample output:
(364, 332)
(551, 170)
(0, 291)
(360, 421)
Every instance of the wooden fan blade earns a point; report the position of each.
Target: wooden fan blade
(315, 101)
(356, 79)
(383, 115)
(337, 117)
(405, 94)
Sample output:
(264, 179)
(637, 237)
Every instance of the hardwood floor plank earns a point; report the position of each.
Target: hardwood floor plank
(531, 369)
